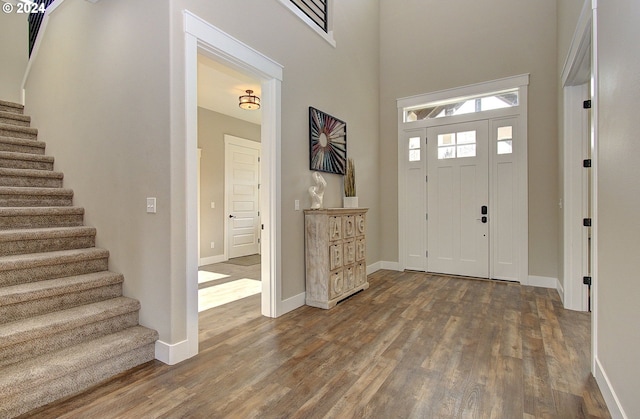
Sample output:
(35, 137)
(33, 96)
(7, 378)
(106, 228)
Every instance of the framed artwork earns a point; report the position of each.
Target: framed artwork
(327, 142)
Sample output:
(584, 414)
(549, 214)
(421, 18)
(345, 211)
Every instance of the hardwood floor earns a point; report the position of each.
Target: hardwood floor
(412, 346)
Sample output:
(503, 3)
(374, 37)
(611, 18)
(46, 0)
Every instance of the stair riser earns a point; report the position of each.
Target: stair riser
(25, 350)
(76, 382)
(39, 221)
(11, 109)
(16, 122)
(21, 247)
(36, 148)
(40, 273)
(30, 181)
(17, 133)
(13, 312)
(25, 164)
(35, 201)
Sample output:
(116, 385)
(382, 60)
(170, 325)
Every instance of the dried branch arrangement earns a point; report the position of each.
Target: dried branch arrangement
(350, 179)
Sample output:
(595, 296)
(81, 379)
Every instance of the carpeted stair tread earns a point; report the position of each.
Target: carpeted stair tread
(11, 107)
(30, 178)
(14, 119)
(16, 160)
(43, 289)
(45, 233)
(39, 327)
(15, 262)
(23, 376)
(23, 196)
(16, 131)
(38, 217)
(38, 240)
(21, 145)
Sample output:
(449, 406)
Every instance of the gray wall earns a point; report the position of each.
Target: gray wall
(98, 93)
(212, 126)
(430, 45)
(14, 50)
(342, 81)
(618, 334)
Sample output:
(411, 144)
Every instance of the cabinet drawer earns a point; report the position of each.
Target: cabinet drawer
(361, 249)
(361, 274)
(360, 224)
(336, 284)
(349, 275)
(335, 256)
(335, 228)
(349, 253)
(349, 223)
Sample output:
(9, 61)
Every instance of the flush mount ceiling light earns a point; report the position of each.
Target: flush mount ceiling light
(249, 101)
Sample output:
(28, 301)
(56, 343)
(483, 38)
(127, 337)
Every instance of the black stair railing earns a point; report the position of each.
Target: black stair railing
(35, 20)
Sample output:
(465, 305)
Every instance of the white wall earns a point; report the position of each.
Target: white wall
(14, 52)
(429, 45)
(618, 334)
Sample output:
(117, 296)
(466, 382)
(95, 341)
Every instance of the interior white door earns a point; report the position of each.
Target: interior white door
(458, 194)
(242, 179)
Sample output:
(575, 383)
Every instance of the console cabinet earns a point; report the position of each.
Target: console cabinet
(335, 254)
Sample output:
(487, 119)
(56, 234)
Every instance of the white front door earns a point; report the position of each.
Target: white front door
(242, 179)
(458, 199)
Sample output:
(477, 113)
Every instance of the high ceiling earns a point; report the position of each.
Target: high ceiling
(219, 88)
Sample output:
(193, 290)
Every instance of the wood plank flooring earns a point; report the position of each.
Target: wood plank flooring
(412, 346)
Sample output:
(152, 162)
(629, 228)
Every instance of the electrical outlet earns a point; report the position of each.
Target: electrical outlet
(296, 205)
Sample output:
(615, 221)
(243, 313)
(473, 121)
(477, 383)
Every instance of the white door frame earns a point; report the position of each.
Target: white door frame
(576, 80)
(243, 142)
(521, 82)
(204, 38)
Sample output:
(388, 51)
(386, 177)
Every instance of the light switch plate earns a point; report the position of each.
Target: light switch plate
(151, 205)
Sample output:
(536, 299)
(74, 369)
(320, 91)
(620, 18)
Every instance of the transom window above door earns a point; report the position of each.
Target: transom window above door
(461, 106)
(457, 145)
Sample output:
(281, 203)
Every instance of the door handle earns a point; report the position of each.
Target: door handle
(232, 216)
(484, 219)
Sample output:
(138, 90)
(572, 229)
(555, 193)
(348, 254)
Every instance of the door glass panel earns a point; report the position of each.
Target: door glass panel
(446, 153)
(505, 142)
(414, 149)
(457, 145)
(468, 150)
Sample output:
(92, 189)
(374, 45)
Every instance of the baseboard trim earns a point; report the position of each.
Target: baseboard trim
(542, 282)
(291, 303)
(172, 354)
(211, 260)
(610, 397)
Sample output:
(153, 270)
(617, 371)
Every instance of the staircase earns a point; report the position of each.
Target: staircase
(64, 324)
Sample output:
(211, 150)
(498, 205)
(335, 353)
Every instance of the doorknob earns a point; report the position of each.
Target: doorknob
(232, 216)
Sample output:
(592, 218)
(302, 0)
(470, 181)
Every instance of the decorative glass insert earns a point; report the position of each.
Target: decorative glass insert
(457, 145)
(414, 149)
(505, 140)
(461, 106)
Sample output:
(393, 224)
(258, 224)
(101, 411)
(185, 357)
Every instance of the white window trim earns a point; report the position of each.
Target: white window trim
(327, 36)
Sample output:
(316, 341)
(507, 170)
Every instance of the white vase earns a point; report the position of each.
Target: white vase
(350, 202)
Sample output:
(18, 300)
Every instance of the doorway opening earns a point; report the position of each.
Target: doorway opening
(462, 160)
(228, 188)
(204, 38)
